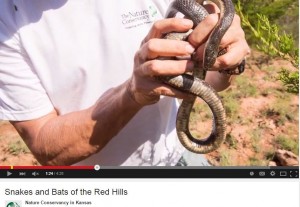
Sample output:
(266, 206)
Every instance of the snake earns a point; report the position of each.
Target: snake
(195, 84)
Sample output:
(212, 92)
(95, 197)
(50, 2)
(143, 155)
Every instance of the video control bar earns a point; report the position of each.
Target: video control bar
(147, 172)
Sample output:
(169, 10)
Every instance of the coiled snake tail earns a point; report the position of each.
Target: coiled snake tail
(201, 89)
(195, 84)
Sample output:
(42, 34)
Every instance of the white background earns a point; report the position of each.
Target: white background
(164, 192)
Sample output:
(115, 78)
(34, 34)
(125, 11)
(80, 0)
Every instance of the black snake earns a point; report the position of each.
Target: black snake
(195, 84)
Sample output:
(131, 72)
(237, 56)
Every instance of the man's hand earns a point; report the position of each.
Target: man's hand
(143, 86)
(145, 89)
(233, 41)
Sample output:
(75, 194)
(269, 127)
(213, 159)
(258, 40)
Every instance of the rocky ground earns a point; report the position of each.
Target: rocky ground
(262, 121)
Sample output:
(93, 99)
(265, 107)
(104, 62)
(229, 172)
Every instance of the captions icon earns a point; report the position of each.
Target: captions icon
(262, 173)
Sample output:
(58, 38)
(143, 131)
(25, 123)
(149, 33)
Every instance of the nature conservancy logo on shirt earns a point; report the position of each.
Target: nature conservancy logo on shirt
(136, 18)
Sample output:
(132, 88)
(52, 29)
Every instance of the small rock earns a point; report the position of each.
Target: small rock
(271, 124)
(272, 163)
(285, 158)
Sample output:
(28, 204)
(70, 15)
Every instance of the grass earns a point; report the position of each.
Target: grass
(18, 147)
(255, 161)
(281, 111)
(231, 100)
(256, 136)
(245, 88)
(269, 155)
(225, 158)
(232, 97)
(231, 103)
(200, 110)
(200, 113)
(231, 141)
(287, 143)
(269, 78)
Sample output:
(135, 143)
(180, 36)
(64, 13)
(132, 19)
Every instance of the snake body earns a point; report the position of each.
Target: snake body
(195, 83)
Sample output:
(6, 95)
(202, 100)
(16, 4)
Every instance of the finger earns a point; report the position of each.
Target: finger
(231, 37)
(158, 88)
(235, 53)
(203, 30)
(172, 92)
(211, 8)
(165, 67)
(234, 34)
(234, 56)
(164, 26)
(155, 48)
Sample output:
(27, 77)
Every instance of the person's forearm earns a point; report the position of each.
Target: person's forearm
(67, 139)
(219, 81)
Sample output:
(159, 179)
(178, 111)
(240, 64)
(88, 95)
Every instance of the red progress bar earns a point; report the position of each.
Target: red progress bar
(48, 167)
(5, 167)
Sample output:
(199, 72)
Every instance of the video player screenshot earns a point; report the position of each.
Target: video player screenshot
(149, 103)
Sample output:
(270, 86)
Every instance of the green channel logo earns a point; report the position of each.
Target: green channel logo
(13, 204)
